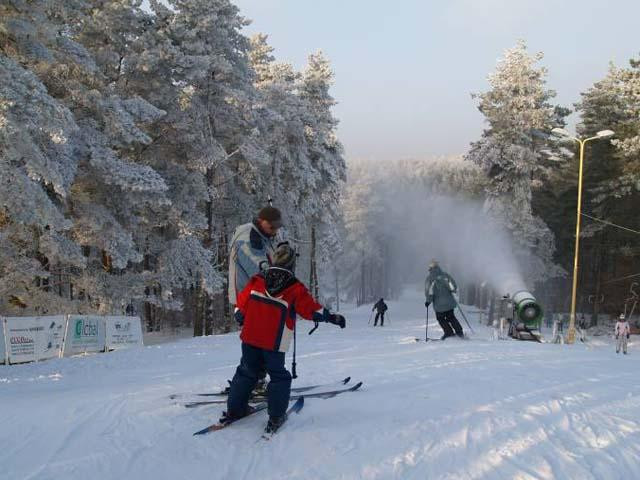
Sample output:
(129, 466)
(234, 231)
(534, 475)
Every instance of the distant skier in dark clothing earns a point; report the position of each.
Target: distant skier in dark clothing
(380, 308)
(267, 308)
(439, 288)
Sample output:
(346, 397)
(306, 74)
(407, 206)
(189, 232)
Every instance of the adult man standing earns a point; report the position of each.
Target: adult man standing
(252, 249)
(439, 288)
(380, 308)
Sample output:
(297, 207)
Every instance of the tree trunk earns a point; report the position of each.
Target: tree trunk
(198, 319)
(601, 257)
(360, 299)
(335, 274)
(148, 312)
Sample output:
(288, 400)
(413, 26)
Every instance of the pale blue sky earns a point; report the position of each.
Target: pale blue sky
(405, 69)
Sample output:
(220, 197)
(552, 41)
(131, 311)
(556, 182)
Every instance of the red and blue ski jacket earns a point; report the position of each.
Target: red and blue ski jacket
(269, 320)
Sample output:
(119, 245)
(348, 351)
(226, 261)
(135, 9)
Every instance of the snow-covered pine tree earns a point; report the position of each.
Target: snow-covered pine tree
(307, 167)
(42, 38)
(37, 168)
(611, 181)
(627, 85)
(172, 140)
(516, 155)
(196, 62)
(279, 112)
(327, 168)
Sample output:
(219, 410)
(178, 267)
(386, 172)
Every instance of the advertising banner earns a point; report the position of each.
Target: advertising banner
(3, 351)
(29, 339)
(85, 333)
(123, 332)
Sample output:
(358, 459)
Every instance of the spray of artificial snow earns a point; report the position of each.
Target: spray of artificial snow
(459, 234)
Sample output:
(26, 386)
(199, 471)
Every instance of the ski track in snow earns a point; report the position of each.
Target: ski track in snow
(463, 410)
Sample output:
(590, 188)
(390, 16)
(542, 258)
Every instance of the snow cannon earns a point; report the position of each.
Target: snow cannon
(527, 316)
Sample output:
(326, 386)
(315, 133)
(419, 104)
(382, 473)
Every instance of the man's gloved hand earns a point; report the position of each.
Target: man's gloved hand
(238, 316)
(337, 319)
(426, 304)
(627, 335)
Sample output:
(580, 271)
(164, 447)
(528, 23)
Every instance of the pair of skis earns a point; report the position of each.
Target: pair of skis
(298, 396)
(225, 392)
(294, 396)
(295, 408)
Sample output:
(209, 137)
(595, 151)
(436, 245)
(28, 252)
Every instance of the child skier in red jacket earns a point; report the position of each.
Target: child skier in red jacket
(266, 308)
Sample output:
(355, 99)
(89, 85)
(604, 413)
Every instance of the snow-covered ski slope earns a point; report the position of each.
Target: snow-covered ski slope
(457, 409)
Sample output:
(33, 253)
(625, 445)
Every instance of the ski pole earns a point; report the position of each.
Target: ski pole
(465, 318)
(426, 327)
(293, 364)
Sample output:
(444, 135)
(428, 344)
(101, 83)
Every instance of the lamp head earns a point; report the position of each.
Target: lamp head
(605, 133)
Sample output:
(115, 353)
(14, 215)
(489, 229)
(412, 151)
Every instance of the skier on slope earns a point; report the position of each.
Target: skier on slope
(622, 331)
(251, 250)
(439, 288)
(380, 308)
(267, 308)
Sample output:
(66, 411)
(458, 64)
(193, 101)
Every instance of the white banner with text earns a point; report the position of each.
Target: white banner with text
(29, 339)
(85, 333)
(123, 332)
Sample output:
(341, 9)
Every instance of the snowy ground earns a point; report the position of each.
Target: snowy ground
(443, 410)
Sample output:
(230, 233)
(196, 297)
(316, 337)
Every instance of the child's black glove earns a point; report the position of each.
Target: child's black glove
(337, 319)
(239, 317)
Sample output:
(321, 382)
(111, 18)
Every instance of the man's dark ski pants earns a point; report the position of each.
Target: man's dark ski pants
(448, 322)
(253, 360)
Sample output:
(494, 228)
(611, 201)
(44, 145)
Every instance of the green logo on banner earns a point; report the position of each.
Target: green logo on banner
(86, 329)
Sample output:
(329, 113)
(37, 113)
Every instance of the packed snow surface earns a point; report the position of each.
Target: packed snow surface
(477, 409)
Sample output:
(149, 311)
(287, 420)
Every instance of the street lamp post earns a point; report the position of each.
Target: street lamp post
(571, 334)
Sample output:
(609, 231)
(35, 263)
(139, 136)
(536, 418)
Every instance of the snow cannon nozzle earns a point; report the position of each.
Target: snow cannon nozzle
(527, 309)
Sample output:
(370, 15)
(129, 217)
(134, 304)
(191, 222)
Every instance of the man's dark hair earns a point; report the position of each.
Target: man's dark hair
(271, 215)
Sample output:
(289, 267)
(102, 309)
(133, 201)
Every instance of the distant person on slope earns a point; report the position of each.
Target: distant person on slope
(267, 309)
(251, 250)
(380, 308)
(439, 288)
(622, 331)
